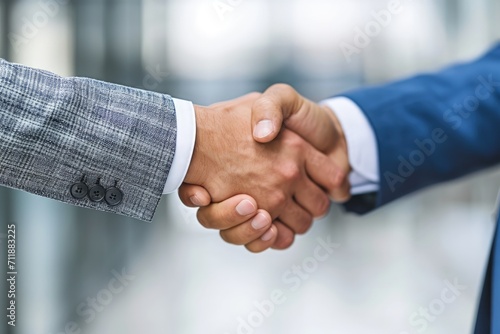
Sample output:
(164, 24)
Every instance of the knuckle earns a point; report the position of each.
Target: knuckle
(246, 234)
(234, 239)
(332, 184)
(224, 236)
(264, 104)
(254, 95)
(255, 248)
(304, 225)
(335, 179)
(340, 179)
(325, 208)
(213, 218)
(286, 241)
(322, 205)
(201, 215)
(297, 220)
(285, 88)
(279, 200)
(293, 141)
(291, 172)
(315, 159)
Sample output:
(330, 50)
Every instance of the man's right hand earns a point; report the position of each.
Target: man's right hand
(279, 105)
(282, 106)
(285, 177)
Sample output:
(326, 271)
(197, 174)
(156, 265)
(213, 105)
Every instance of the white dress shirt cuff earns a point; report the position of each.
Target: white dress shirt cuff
(186, 136)
(361, 145)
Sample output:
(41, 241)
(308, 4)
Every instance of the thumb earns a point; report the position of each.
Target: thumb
(281, 104)
(194, 196)
(278, 103)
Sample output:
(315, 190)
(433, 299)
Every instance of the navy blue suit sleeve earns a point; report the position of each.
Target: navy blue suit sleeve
(433, 128)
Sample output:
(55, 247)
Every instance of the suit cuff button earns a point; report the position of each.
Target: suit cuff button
(114, 196)
(79, 190)
(96, 193)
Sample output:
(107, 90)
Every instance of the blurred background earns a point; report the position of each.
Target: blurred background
(175, 277)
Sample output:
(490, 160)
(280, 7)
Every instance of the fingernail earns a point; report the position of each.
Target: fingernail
(268, 235)
(245, 208)
(195, 200)
(263, 129)
(260, 221)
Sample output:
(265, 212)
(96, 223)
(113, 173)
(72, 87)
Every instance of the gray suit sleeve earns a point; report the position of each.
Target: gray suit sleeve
(58, 132)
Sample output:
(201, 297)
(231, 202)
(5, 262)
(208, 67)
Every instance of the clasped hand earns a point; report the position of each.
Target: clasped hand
(264, 166)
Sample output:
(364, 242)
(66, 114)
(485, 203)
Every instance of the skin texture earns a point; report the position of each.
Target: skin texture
(276, 174)
(316, 124)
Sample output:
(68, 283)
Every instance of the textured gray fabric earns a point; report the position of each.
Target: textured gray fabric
(54, 130)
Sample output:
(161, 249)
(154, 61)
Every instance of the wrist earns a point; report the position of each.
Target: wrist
(342, 141)
(336, 123)
(197, 168)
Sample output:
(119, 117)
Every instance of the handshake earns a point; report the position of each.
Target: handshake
(264, 166)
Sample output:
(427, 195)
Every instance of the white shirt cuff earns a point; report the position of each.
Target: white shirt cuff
(361, 145)
(186, 136)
